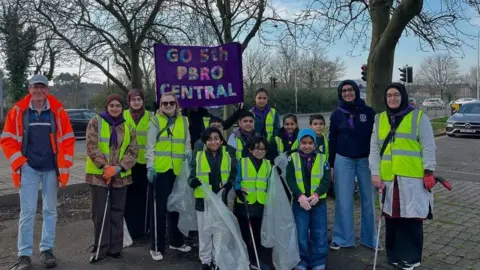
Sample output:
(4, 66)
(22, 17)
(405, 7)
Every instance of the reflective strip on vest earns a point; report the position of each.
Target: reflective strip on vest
(141, 131)
(255, 183)
(170, 146)
(403, 154)
(104, 132)
(316, 174)
(279, 143)
(203, 170)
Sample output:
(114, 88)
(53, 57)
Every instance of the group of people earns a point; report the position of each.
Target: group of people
(134, 157)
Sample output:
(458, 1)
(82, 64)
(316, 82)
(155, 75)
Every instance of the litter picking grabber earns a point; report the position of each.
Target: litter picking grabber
(379, 227)
(146, 208)
(155, 214)
(107, 201)
(251, 230)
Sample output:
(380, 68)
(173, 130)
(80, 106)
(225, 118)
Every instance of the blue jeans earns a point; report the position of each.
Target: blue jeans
(314, 221)
(30, 179)
(344, 227)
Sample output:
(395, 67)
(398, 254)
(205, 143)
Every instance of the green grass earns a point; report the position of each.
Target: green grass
(439, 124)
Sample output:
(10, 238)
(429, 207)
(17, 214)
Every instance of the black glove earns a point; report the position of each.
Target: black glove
(279, 171)
(241, 195)
(195, 183)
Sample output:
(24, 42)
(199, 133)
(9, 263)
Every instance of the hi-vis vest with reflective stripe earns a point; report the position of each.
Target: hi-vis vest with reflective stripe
(403, 155)
(170, 148)
(103, 145)
(239, 148)
(269, 120)
(255, 183)
(141, 131)
(206, 122)
(203, 170)
(316, 174)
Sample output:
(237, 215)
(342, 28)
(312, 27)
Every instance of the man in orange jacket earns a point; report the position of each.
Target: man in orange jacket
(38, 141)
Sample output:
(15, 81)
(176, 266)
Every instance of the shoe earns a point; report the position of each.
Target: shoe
(92, 259)
(47, 259)
(183, 248)
(254, 267)
(393, 263)
(321, 267)
(407, 266)
(334, 246)
(116, 255)
(23, 263)
(156, 256)
(206, 267)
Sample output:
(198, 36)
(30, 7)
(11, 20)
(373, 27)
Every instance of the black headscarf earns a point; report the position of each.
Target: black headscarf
(350, 108)
(395, 116)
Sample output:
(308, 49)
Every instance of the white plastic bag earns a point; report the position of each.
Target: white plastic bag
(127, 239)
(182, 201)
(282, 161)
(278, 226)
(230, 252)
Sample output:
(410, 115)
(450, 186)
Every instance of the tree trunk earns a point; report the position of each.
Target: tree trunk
(136, 79)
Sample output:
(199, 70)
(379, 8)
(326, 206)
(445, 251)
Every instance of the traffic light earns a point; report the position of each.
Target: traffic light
(403, 74)
(364, 73)
(410, 74)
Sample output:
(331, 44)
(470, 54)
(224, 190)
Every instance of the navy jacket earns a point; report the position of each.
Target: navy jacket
(345, 140)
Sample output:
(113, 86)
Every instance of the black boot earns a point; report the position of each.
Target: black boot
(23, 263)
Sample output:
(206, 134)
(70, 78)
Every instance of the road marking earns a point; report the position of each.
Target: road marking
(452, 171)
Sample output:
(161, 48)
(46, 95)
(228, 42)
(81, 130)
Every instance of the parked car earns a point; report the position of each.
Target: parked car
(79, 119)
(455, 105)
(413, 102)
(433, 103)
(466, 121)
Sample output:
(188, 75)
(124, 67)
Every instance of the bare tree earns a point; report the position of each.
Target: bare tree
(471, 79)
(118, 29)
(256, 63)
(436, 26)
(438, 72)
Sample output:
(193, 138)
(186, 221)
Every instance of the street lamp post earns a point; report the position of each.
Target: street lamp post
(295, 69)
(478, 64)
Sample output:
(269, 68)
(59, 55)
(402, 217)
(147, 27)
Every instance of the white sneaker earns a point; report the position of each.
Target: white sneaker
(156, 256)
(183, 248)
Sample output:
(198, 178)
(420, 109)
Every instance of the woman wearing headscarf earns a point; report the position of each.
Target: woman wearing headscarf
(351, 126)
(111, 154)
(168, 146)
(402, 161)
(137, 118)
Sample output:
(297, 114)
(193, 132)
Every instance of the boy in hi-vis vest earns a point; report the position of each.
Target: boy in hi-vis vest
(215, 166)
(308, 177)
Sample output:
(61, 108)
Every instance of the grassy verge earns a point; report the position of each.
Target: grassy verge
(439, 125)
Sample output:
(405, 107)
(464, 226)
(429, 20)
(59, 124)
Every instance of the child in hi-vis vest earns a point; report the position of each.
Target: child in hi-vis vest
(215, 166)
(251, 183)
(308, 177)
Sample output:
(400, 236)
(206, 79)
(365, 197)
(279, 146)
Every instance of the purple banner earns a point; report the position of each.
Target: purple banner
(200, 76)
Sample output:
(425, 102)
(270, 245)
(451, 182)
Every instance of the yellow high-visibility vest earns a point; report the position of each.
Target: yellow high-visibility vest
(141, 131)
(269, 121)
(316, 174)
(403, 154)
(203, 170)
(206, 122)
(170, 148)
(255, 183)
(104, 147)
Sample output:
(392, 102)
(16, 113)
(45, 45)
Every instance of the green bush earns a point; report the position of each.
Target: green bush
(309, 100)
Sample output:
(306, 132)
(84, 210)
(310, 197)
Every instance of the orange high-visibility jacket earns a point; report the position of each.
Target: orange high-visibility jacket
(61, 138)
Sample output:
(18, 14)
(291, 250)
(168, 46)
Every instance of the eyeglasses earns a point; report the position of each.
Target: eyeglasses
(348, 90)
(166, 103)
(397, 95)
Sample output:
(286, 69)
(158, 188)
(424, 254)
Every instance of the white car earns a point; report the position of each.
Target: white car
(433, 103)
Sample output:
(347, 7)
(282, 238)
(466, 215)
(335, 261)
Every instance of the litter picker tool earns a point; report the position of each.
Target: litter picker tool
(251, 231)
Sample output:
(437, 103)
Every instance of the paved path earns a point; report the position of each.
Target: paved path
(452, 239)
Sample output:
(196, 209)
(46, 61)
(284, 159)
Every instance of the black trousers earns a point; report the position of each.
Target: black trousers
(264, 254)
(112, 237)
(404, 239)
(136, 205)
(163, 185)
